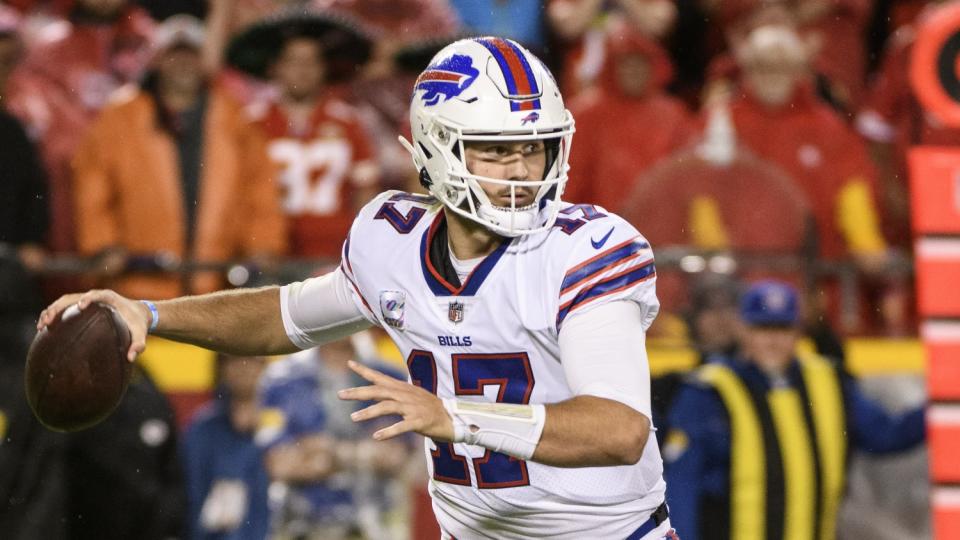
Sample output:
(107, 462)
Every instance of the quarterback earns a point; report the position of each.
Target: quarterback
(522, 318)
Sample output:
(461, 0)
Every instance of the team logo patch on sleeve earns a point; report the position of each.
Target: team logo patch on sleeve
(392, 305)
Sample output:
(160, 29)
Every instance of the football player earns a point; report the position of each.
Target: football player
(522, 318)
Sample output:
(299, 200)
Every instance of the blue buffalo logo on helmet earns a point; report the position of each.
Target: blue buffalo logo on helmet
(532, 118)
(446, 79)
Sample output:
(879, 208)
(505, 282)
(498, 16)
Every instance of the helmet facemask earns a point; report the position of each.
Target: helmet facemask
(462, 191)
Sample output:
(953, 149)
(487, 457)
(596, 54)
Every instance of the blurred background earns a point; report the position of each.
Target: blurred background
(172, 147)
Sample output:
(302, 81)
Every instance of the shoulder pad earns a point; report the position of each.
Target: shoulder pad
(605, 260)
(402, 200)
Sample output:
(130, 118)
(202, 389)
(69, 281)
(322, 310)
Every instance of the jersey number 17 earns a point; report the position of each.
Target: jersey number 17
(471, 373)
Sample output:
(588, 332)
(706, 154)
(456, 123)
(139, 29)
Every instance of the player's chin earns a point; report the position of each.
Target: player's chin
(517, 209)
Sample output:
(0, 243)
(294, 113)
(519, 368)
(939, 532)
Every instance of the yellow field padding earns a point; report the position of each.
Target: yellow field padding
(865, 356)
(868, 357)
(185, 368)
(177, 367)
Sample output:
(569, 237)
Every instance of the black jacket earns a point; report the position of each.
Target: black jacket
(23, 186)
(125, 479)
(32, 488)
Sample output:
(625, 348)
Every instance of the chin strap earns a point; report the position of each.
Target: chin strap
(511, 429)
(512, 222)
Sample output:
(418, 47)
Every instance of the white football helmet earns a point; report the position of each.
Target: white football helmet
(489, 89)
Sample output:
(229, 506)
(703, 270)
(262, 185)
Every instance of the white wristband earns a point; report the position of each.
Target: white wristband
(511, 429)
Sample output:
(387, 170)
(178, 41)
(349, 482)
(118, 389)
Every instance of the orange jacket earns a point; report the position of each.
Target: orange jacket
(127, 191)
(66, 77)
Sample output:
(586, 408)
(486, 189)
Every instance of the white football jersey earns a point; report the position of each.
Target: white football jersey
(495, 338)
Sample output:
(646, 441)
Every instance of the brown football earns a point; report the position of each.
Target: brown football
(77, 369)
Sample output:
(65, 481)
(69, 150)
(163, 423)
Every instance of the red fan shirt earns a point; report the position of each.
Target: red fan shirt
(323, 165)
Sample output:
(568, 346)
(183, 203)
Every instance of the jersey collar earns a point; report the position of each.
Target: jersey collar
(436, 281)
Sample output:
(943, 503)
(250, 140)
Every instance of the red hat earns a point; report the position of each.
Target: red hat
(625, 41)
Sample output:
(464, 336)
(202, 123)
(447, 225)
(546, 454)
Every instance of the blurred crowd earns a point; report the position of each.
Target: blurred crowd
(154, 135)
(144, 145)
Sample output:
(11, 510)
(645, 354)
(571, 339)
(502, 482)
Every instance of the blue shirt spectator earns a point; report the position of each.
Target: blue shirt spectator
(521, 20)
(698, 450)
(226, 479)
(325, 464)
(701, 467)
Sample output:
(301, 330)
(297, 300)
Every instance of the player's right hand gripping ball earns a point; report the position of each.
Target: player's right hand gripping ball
(77, 369)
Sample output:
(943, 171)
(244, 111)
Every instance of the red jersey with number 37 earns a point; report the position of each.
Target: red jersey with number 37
(322, 164)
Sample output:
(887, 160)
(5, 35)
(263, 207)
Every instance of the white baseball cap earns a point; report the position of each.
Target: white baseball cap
(179, 30)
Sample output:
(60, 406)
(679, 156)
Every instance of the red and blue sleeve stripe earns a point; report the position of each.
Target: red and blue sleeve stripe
(616, 255)
(616, 269)
(613, 284)
(516, 72)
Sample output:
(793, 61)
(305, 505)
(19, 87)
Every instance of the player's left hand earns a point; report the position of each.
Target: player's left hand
(422, 411)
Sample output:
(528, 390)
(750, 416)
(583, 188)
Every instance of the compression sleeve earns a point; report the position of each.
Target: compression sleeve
(603, 352)
(319, 310)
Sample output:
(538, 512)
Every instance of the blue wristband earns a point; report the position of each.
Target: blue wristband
(154, 315)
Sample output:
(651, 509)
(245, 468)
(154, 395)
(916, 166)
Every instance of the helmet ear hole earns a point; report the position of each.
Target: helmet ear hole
(552, 147)
(425, 179)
